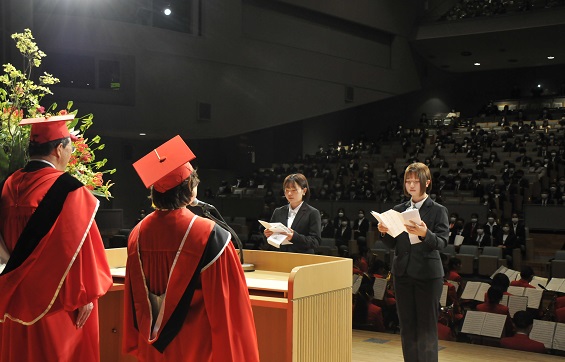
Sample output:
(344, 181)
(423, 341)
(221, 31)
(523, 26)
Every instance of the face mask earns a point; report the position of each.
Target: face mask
(361, 216)
(344, 223)
(544, 196)
(452, 219)
(514, 219)
(473, 220)
(506, 230)
(340, 214)
(479, 231)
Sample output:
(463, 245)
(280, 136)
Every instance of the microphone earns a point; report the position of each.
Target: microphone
(202, 204)
(220, 221)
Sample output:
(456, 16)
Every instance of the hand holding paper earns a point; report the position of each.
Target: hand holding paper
(277, 234)
(395, 222)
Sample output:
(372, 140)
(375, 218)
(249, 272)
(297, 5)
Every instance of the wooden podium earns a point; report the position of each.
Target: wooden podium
(301, 304)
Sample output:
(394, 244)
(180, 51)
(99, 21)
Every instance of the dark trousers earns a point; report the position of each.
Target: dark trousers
(417, 303)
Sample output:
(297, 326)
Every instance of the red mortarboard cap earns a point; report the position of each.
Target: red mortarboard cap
(49, 129)
(166, 166)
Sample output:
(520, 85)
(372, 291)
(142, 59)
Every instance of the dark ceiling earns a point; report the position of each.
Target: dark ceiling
(499, 42)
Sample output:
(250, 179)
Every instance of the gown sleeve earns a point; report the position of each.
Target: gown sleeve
(229, 310)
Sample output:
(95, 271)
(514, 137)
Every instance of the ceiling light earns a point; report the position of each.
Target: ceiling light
(477, 63)
(143, 134)
(167, 11)
(551, 57)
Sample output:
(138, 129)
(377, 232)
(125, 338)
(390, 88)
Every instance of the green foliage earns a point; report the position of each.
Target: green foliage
(20, 98)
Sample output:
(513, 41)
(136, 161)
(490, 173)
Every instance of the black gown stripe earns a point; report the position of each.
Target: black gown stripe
(42, 220)
(214, 247)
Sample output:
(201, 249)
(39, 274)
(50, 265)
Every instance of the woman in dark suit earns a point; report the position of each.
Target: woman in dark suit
(302, 219)
(417, 267)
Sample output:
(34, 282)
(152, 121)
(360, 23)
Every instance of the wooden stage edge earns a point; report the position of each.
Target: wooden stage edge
(373, 346)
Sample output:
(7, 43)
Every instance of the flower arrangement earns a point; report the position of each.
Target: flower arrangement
(20, 97)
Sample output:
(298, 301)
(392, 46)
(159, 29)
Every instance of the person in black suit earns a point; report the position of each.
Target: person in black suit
(506, 240)
(327, 228)
(470, 229)
(303, 220)
(342, 236)
(417, 268)
(519, 229)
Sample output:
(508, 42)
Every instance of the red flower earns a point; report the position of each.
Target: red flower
(41, 109)
(97, 179)
(85, 157)
(62, 112)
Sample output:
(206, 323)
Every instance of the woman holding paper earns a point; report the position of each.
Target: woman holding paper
(417, 269)
(302, 219)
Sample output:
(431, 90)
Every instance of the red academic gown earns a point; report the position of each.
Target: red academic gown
(453, 275)
(521, 283)
(444, 332)
(560, 315)
(498, 309)
(522, 342)
(218, 325)
(66, 270)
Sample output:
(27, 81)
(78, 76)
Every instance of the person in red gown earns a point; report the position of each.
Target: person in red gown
(57, 268)
(493, 306)
(521, 341)
(526, 276)
(186, 297)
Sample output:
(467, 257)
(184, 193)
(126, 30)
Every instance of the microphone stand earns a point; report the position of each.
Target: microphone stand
(220, 221)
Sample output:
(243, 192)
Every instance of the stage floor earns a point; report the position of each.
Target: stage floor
(373, 346)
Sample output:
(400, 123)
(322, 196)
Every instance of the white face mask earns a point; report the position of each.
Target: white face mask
(515, 220)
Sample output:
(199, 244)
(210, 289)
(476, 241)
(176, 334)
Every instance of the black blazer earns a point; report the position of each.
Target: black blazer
(421, 260)
(306, 226)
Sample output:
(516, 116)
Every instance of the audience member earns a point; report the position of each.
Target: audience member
(470, 229)
(360, 225)
(327, 228)
(506, 240)
(492, 229)
(342, 236)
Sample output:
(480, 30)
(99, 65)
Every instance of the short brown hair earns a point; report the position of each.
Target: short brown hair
(300, 180)
(422, 172)
(177, 197)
